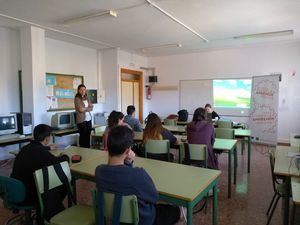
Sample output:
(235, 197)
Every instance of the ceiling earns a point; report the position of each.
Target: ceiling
(140, 25)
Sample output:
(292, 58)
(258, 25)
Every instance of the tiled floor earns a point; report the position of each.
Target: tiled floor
(247, 206)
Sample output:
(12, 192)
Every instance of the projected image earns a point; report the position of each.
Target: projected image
(232, 93)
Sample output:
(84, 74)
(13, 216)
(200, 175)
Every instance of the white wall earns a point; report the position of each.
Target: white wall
(10, 64)
(233, 63)
(66, 58)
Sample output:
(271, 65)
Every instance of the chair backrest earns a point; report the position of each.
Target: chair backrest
(54, 180)
(225, 124)
(100, 129)
(157, 147)
(12, 191)
(197, 152)
(224, 133)
(106, 202)
(171, 122)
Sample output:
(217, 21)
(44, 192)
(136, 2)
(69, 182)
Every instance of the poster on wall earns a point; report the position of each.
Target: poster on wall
(263, 120)
(61, 90)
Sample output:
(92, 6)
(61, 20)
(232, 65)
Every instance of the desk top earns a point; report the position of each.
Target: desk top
(285, 165)
(86, 153)
(15, 140)
(242, 133)
(295, 183)
(171, 179)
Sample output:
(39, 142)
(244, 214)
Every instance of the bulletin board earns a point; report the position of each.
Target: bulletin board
(61, 90)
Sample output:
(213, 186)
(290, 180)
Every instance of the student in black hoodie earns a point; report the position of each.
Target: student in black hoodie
(35, 156)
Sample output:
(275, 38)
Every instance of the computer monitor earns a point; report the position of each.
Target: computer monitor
(62, 120)
(8, 124)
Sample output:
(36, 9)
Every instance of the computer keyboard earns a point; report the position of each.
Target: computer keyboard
(9, 136)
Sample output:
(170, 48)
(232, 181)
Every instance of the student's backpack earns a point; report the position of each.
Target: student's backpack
(183, 115)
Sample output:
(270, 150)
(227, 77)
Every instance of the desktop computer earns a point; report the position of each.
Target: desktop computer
(24, 121)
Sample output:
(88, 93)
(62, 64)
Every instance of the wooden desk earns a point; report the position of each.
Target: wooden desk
(16, 140)
(240, 133)
(177, 184)
(86, 153)
(285, 166)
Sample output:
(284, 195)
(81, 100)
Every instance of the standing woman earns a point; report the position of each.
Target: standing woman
(200, 131)
(83, 108)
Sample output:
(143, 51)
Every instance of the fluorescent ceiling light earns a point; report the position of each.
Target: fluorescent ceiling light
(161, 46)
(265, 35)
(177, 21)
(90, 16)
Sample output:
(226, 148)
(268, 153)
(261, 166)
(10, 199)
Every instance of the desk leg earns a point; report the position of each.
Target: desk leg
(287, 201)
(229, 174)
(189, 214)
(249, 153)
(243, 145)
(215, 204)
(235, 161)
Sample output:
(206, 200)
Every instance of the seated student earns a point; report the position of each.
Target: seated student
(200, 131)
(115, 118)
(119, 176)
(32, 157)
(155, 131)
(208, 109)
(133, 122)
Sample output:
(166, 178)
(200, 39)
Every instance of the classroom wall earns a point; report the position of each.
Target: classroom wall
(67, 58)
(234, 63)
(10, 64)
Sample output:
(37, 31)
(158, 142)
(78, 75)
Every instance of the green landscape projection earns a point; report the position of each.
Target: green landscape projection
(232, 93)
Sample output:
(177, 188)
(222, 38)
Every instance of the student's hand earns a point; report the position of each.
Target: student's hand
(130, 156)
(53, 146)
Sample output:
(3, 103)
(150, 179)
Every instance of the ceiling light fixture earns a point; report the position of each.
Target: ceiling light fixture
(161, 46)
(90, 16)
(265, 35)
(177, 21)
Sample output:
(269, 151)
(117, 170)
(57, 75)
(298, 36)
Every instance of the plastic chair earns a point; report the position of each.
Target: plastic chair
(13, 193)
(198, 152)
(225, 124)
(280, 189)
(170, 122)
(197, 156)
(224, 133)
(120, 209)
(158, 149)
(97, 141)
(75, 214)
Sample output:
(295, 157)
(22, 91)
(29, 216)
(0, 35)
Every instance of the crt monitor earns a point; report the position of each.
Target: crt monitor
(62, 120)
(8, 124)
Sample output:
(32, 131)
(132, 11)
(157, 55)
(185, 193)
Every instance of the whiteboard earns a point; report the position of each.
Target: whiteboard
(197, 93)
(194, 94)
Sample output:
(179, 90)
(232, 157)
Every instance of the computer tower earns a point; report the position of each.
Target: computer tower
(24, 121)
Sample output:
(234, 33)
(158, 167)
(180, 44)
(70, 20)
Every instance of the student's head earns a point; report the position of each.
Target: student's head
(120, 139)
(115, 118)
(130, 110)
(208, 108)
(153, 128)
(42, 133)
(199, 114)
(81, 90)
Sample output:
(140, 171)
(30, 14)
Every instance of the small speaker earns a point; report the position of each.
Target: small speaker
(152, 79)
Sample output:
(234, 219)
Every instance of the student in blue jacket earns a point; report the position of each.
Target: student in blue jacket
(119, 176)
